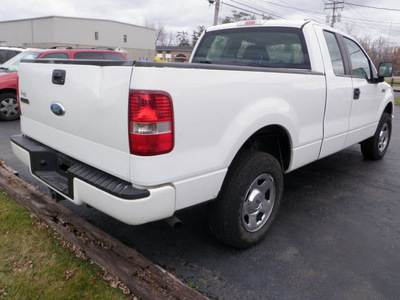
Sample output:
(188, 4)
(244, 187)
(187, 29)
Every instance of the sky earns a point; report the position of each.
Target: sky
(377, 18)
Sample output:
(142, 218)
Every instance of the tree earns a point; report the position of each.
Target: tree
(161, 34)
(396, 59)
(197, 33)
(171, 39)
(379, 50)
(236, 17)
(183, 39)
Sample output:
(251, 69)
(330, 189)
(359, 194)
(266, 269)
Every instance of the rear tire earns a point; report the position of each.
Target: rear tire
(249, 200)
(8, 107)
(376, 146)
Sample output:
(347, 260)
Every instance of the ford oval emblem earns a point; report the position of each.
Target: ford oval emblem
(57, 109)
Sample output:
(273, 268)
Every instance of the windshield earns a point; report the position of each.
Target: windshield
(13, 63)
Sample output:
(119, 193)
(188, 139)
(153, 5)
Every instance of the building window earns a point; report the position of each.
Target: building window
(125, 38)
(96, 35)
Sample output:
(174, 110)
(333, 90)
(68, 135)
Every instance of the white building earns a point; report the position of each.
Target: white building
(139, 42)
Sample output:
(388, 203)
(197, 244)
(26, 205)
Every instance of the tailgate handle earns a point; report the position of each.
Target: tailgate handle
(58, 77)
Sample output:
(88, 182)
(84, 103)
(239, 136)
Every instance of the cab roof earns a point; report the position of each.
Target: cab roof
(261, 23)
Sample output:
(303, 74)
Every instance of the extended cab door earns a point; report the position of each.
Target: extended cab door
(367, 95)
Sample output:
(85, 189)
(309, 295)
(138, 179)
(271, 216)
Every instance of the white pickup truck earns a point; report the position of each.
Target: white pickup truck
(140, 140)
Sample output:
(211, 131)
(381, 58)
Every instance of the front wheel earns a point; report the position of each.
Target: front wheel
(248, 201)
(376, 146)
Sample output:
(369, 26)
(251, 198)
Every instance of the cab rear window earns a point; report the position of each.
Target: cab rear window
(277, 47)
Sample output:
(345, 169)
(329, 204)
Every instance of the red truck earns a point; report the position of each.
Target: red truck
(8, 72)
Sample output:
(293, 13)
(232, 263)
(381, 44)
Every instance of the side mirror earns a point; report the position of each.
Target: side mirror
(385, 70)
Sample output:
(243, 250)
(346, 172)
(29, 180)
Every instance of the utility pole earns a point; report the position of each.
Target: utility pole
(216, 13)
(334, 5)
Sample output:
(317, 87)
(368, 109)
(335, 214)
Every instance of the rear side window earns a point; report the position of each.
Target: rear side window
(335, 54)
(113, 56)
(89, 55)
(99, 55)
(277, 47)
(56, 55)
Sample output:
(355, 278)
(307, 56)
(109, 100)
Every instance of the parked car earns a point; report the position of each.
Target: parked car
(8, 72)
(7, 53)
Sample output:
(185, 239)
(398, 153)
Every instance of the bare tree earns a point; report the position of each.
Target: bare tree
(350, 28)
(171, 39)
(161, 34)
(149, 24)
(377, 48)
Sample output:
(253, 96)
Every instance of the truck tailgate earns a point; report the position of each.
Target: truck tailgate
(84, 115)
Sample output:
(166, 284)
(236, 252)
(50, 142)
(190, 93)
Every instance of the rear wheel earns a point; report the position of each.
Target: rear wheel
(376, 146)
(8, 107)
(248, 201)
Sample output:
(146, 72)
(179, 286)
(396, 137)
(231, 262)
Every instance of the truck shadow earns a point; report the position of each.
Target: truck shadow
(329, 211)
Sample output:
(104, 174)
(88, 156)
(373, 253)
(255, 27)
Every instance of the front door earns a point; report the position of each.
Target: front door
(366, 95)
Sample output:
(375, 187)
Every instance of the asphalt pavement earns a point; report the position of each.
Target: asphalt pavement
(337, 235)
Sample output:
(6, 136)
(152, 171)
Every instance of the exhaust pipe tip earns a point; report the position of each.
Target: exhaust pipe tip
(174, 222)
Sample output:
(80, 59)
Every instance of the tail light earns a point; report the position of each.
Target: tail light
(151, 123)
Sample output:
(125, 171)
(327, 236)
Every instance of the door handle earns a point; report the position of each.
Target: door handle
(357, 93)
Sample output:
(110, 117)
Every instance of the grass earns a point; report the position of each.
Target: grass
(194, 286)
(33, 264)
(397, 101)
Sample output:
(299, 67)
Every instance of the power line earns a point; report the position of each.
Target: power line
(243, 9)
(364, 20)
(369, 24)
(374, 7)
(264, 11)
(382, 23)
(282, 10)
(258, 7)
(254, 8)
(292, 7)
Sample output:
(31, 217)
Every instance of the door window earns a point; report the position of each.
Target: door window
(359, 61)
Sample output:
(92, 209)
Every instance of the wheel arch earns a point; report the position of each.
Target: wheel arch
(272, 139)
(8, 90)
(389, 108)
